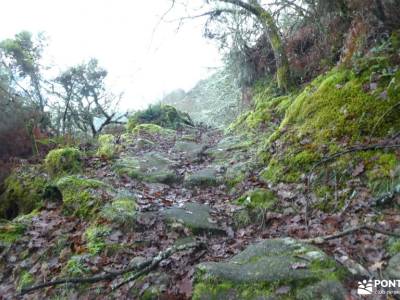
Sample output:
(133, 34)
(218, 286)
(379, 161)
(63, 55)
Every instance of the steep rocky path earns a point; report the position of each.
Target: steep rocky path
(163, 188)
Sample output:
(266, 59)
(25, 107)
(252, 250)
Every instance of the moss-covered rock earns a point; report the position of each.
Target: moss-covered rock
(194, 216)
(150, 167)
(153, 130)
(258, 198)
(227, 145)
(191, 151)
(255, 204)
(237, 171)
(258, 271)
(82, 196)
(203, 178)
(107, 147)
(325, 289)
(63, 161)
(24, 190)
(122, 210)
(163, 115)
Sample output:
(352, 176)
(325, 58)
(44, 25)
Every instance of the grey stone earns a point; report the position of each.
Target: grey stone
(193, 216)
(203, 177)
(151, 167)
(392, 271)
(271, 263)
(190, 150)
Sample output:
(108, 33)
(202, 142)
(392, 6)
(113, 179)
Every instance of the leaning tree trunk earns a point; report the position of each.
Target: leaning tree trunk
(268, 22)
(282, 63)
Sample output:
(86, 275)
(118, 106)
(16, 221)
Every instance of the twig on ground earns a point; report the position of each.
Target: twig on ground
(156, 261)
(352, 266)
(141, 269)
(323, 239)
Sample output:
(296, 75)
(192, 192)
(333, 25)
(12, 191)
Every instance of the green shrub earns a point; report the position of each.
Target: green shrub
(160, 114)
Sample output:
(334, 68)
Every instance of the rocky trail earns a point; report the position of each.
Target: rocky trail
(169, 189)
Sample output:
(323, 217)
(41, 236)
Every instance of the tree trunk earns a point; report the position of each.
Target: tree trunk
(268, 22)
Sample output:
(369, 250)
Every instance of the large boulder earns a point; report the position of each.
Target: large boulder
(271, 269)
(150, 167)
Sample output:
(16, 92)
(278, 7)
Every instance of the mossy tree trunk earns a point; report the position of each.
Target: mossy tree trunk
(268, 22)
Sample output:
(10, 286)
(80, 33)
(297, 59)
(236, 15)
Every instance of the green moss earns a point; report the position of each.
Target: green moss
(258, 198)
(334, 107)
(152, 129)
(11, 232)
(394, 247)
(26, 279)
(94, 236)
(242, 218)
(122, 211)
(340, 107)
(210, 290)
(76, 266)
(274, 172)
(24, 190)
(107, 147)
(63, 161)
(81, 196)
(267, 112)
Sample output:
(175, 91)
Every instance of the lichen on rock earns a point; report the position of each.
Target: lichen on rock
(262, 268)
(194, 216)
(202, 178)
(150, 167)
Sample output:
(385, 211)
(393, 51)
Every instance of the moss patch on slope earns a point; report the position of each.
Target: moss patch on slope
(24, 190)
(82, 196)
(336, 110)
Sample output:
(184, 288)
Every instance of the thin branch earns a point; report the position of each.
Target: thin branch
(354, 149)
(212, 13)
(142, 268)
(323, 239)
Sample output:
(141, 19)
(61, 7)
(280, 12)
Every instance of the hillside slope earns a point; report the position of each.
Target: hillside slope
(297, 199)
